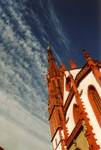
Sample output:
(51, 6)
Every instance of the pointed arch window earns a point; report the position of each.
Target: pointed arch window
(95, 101)
(76, 113)
(68, 83)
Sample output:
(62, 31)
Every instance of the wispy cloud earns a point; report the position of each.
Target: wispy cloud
(20, 127)
(57, 25)
(56, 37)
(22, 91)
(23, 65)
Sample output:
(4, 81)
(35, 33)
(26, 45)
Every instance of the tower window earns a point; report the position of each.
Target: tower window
(76, 112)
(95, 101)
(68, 83)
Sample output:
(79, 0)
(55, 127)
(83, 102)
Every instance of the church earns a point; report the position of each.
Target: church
(74, 104)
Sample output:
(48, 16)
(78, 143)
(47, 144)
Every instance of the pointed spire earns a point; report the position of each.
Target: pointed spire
(86, 55)
(50, 55)
(62, 67)
(52, 67)
(72, 63)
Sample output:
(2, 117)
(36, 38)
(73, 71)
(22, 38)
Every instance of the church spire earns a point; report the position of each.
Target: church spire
(55, 105)
(51, 58)
(72, 63)
(52, 67)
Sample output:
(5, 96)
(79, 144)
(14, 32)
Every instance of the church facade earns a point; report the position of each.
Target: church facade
(74, 104)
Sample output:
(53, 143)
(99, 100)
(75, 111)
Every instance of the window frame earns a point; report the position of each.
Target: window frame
(95, 102)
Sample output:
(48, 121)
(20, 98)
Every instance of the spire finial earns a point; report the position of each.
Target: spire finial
(85, 54)
(72, 63)
(50, 55)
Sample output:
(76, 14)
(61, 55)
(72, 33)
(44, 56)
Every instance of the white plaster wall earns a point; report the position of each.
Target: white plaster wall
(59, 147)
(74, 73)
(70, 124)
(57, 137)
(90, 79)
(62, 133)
(65, 95)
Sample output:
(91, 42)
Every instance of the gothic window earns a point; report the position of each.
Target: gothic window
(95, 101)
(68, 84)
(76, 113)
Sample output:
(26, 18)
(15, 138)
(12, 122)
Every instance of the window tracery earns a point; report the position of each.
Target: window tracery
(95, 101)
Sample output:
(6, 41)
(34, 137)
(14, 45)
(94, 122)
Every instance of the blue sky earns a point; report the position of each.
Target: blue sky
(26, 30)
(81, 20)
(69, 26)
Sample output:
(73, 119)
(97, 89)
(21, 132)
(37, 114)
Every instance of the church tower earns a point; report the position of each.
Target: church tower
(55, 105)
(75, 104)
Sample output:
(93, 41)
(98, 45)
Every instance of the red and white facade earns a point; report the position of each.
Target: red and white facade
(75, 105)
